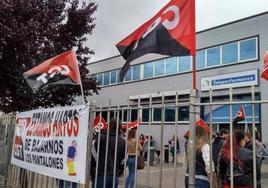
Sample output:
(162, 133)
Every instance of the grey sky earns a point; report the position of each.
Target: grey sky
(115, 19)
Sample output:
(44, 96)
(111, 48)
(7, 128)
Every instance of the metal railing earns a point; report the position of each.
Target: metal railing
(157, 173)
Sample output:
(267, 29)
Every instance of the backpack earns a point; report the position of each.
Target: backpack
(240, 177)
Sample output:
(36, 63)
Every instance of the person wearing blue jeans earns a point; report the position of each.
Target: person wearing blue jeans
(199, 183)
(132, 153)
(131, 168)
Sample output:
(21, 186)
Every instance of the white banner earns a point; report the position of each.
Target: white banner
(52, 142)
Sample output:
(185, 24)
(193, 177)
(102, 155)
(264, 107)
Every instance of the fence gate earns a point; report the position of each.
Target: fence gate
(6, 135)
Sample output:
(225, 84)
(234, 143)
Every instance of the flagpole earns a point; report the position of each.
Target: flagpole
(81, 85)
(192, 111)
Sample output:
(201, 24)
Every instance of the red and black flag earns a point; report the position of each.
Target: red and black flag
(240, 116)
(61, 69)
(99, 124)
(170, 32)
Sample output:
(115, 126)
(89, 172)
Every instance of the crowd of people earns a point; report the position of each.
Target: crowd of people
(112, 150)
(123, 141)
(221, 156)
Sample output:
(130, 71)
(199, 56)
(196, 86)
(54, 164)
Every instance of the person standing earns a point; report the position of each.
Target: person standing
(202, 166)
(260, 151)
(242, 162)
(172, 147)
(217, 145)
(132, 154)
(113, 139)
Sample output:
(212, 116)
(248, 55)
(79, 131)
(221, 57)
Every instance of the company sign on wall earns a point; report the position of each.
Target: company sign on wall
(239, 79)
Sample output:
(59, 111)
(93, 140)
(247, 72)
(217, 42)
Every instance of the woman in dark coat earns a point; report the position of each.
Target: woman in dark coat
(242, 160)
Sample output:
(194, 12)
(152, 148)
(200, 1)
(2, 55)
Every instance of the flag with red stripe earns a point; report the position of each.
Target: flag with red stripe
(200, 123)
(170, 32)
(131, 125)
(240, 116)
(61, 69)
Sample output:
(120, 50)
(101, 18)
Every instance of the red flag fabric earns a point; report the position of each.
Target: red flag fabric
(264, 73)
(200, 123)
(99, 123)
(61, 69)
(241, 115)
(131, 125)
(203, 124)
(265, 59)
(170, 32)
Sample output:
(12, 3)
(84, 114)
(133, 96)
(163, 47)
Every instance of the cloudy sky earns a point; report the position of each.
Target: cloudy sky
(115, 19)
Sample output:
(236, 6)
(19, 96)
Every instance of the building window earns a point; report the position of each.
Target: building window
(159, 68)
(184, 63)
(248, 49)
(171, 65)
(100, 79)
(128, 75)
(134, 115)
(200, 59)
(241, 51)
(183, 113)
(230, 53)
(106, 80)
(170, 114)
(136, 72)
(145, 115)
(157, 114)
(118, 76)
(148, 70)
(213, 56)
(113, 77)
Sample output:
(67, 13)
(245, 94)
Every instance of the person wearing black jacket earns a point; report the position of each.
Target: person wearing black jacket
(242, 160)
(111, 139)
(217, 145)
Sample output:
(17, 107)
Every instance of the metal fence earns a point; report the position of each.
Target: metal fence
(102, 167)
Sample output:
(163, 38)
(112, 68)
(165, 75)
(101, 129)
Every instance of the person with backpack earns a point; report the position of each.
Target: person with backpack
(242, 162)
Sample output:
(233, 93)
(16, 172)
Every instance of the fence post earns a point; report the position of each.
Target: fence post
(89, 143)
(254, 138)
(191, 143)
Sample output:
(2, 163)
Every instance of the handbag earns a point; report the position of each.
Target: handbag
(239, 176)
(140, 163)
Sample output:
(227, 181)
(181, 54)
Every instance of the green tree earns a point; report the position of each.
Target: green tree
(32, 31)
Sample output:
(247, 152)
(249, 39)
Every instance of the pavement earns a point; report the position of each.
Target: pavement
(149, 177)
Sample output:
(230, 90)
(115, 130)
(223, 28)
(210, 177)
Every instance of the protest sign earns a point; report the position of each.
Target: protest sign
(52, 142)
